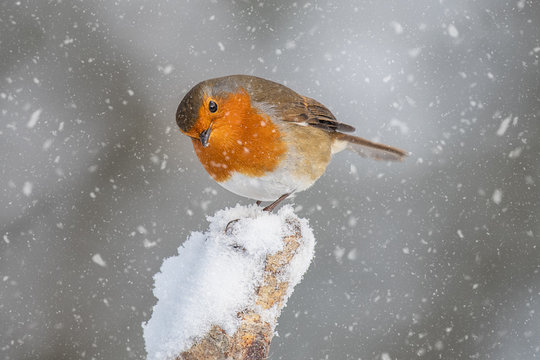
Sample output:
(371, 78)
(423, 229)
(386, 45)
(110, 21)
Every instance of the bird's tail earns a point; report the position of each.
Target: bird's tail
(366, 148)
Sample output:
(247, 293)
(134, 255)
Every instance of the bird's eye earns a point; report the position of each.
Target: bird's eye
(212, 106)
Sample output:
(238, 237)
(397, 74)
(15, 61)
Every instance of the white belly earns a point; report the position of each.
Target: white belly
(265, 188)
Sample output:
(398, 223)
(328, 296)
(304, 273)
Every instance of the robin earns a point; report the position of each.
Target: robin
(261, 140)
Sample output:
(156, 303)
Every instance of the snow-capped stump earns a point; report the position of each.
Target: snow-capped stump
(221, 296)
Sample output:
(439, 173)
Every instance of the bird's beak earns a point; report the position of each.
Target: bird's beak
(205, 135)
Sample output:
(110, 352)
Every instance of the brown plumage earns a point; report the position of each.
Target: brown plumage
(262, 140)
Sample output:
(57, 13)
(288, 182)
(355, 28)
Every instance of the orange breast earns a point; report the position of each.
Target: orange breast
(243, 140)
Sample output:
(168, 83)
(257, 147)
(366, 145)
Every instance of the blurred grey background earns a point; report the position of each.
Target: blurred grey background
(434, 258)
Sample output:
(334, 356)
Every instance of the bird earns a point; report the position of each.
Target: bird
(261, 140)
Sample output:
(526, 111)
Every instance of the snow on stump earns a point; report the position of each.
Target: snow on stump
(221, 296)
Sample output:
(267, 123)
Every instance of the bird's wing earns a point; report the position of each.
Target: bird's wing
(309, 112)
(290, 106)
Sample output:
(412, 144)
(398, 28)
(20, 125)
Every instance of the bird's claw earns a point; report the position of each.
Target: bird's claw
(230, 225)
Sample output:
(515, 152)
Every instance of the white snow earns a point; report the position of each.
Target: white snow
(353, 254)
(47, 144)
(453, 31)
(27, 188)
(398, 29)
(215, 275)
(497, 196)
(338, 253)
(166, 70)
(291, 44)
(99, 260)
(515, 153)
(149, 244)
(504, 126)
(33, 119)
(142, 230)
(401, 125)
(414, 52)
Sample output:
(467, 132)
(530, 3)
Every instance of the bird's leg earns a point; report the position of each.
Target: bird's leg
(273, 205)
(258, 202)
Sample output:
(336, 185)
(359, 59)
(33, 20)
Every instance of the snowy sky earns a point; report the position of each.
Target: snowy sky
(435, 257)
